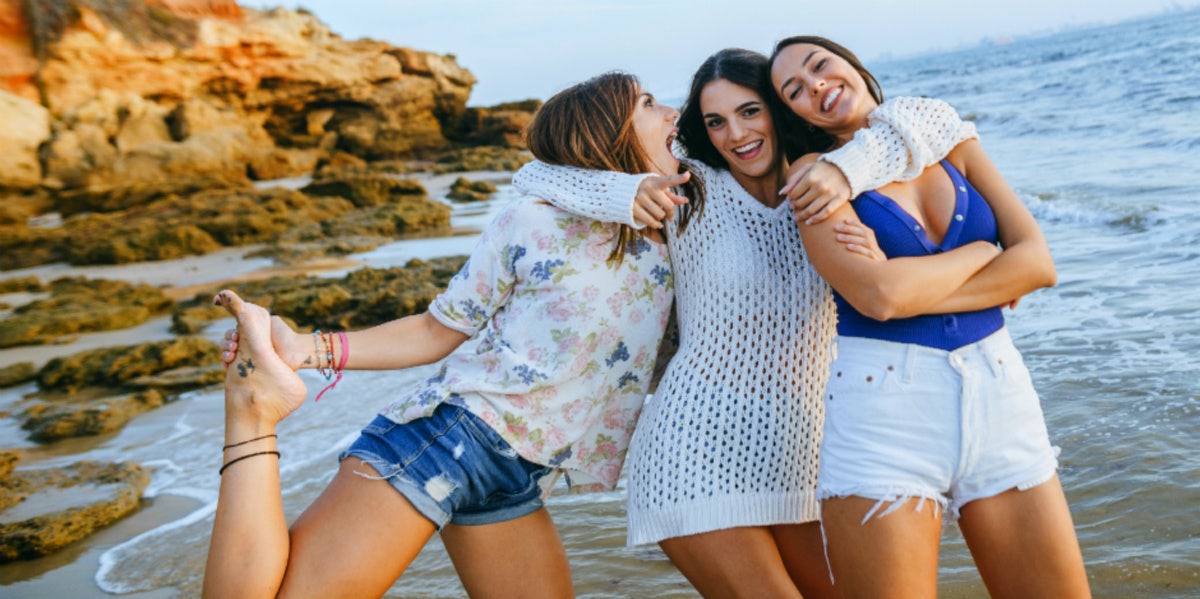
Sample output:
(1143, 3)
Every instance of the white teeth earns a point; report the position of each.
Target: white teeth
(833, 95)
(747, 147)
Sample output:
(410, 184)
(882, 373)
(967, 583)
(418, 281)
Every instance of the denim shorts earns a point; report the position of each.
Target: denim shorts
(451, 466)
(904, 420)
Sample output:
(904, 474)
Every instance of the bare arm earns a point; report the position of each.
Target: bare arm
(1025, 264)
(401, 343)
(895, 288)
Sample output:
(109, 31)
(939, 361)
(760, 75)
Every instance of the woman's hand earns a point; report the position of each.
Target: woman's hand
(815, 189)
(859, 238)
(655, 202)
(297, 350)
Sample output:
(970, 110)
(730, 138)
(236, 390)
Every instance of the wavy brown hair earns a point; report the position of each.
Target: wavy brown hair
(590, 125)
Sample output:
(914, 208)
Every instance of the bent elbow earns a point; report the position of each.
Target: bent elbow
(1051, 274)
(1046, 275)
(877, 302)
(1051, 277)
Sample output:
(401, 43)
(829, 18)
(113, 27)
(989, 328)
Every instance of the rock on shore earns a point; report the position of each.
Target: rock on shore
(42, 511)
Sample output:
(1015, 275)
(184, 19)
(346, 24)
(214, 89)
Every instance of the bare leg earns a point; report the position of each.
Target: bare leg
(354, 541)
(1024, 543)
(249, 548)
(518, 558)
(803, 554)
(891, 556)
(735, 562)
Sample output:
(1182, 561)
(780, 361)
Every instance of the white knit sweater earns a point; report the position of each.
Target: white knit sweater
(731, 436)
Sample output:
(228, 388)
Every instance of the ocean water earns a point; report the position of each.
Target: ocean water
(1097, 130)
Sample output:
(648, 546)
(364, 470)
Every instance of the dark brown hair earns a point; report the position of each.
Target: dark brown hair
(745, 68)
(803, 137)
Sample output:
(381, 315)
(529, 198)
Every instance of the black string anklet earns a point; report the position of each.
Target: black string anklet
(245, 442)
(238, 459)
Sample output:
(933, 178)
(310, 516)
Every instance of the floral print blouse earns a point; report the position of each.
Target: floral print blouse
(568, 340)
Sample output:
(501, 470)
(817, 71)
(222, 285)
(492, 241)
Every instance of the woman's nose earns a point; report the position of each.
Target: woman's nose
(735, 129)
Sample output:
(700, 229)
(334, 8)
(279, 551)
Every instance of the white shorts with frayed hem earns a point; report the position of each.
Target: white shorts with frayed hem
(905, 420)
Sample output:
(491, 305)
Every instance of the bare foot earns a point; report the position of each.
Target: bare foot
(258, 385)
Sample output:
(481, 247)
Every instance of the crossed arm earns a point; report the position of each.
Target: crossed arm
(975, 276)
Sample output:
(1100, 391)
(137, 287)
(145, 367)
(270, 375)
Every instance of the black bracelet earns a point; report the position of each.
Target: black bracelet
(238, 459)
(245, 442)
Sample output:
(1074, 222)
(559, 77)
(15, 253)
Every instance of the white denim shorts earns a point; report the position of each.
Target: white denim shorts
(905, 420)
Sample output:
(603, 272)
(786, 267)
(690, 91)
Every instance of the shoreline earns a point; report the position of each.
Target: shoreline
(72, 571)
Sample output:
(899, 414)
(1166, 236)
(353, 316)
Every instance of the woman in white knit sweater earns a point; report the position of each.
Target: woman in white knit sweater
(722, 468)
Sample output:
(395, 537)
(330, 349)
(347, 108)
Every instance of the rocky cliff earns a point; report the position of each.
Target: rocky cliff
(102, 98)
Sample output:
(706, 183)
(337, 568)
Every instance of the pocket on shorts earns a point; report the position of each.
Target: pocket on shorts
(1012, 368)
(850, 379)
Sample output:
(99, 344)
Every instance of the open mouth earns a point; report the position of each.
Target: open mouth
(671, 139)
(748, 151)
(830, 98)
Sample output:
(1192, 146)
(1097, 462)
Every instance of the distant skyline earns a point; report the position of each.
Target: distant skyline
(521, 49)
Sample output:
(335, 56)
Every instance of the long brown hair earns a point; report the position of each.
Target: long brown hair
(802, 137)
(590, 125)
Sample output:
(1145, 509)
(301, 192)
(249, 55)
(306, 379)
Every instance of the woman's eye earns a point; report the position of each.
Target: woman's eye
(751, 112)
(713, 123)
(821, 63)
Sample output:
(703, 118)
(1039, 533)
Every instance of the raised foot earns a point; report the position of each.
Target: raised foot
(259, 386)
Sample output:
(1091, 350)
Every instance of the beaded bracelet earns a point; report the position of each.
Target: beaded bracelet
(317, 347)
(324, 350)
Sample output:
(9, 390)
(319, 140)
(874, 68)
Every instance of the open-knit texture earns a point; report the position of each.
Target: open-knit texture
(905, 136)
(731, 436)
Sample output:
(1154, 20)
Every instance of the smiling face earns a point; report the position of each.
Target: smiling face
(654, 126)
(822, 88)
(740, 128)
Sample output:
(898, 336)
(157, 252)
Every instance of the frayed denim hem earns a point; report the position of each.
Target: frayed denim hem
(896, 497)
(893, 496)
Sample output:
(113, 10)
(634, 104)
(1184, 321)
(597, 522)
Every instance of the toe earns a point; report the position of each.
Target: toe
(230, 301)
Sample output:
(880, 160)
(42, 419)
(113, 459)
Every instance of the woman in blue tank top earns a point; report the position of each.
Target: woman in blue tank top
(929, 405)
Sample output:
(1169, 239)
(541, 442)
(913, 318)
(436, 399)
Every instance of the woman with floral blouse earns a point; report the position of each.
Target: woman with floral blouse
(569, 312)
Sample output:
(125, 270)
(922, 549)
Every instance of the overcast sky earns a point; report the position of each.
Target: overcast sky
(532, 48)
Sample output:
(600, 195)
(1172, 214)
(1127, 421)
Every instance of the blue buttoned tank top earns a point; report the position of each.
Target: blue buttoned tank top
(899, 234)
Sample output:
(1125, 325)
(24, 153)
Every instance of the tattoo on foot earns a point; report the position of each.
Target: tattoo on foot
(245, 368)
(308, 360)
